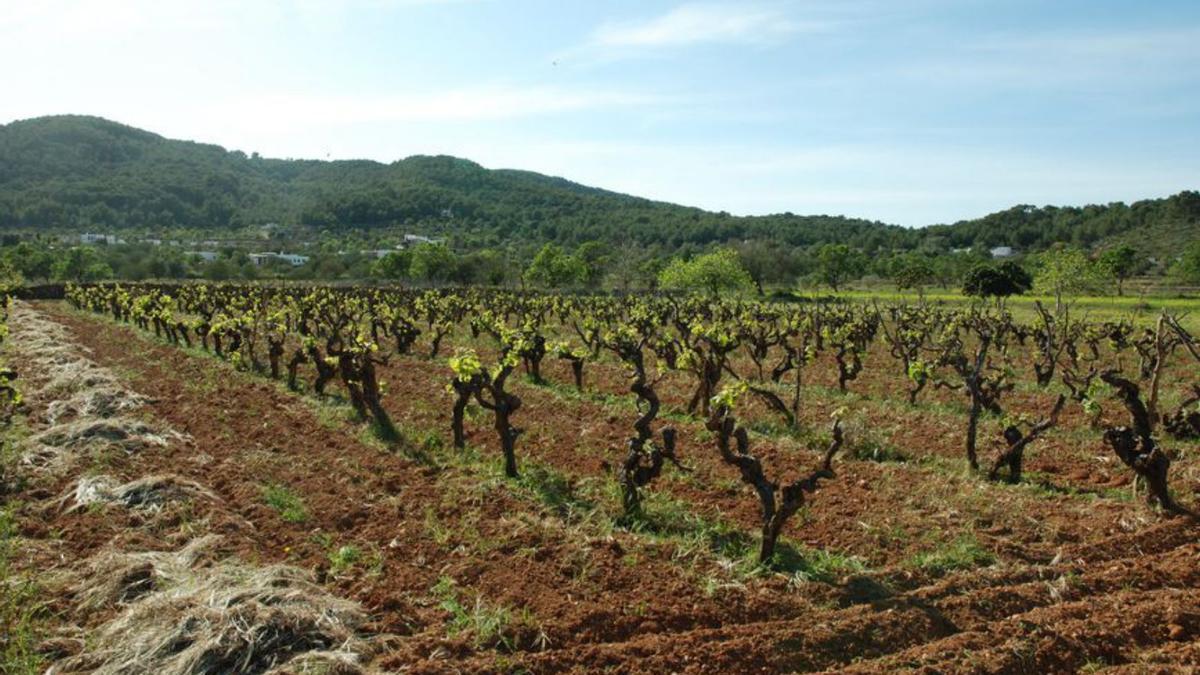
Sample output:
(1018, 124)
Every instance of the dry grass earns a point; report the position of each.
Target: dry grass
(180, 612)
(84, 404)
(150, 492)
(164, 612)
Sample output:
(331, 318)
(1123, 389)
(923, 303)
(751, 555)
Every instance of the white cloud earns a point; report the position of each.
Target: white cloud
(703, 23)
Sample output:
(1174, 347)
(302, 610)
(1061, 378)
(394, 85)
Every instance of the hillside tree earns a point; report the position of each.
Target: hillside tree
(1119, 263)
(712, 273)
(553, 268)
(838, 263)
(986, 280)
(1064, 272)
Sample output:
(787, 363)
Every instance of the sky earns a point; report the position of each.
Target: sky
(907, 111)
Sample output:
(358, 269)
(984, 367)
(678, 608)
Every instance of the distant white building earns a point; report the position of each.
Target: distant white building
(93, 238)
(293, 259)
(420, 239)
(1002, 252)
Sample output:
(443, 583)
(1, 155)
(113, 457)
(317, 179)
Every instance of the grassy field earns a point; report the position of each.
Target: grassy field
(1141, 309)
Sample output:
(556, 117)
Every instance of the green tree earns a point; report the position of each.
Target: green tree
(1064, 272)
(838, 263)
(986, 280)
(630, 269)
(552, 268)
(712, 273)
(597, 258)
(33, 261)
(165, 264)
(1120, 263)
(79, 264)
(488, 267)
(434, 263)
(912, 270)
(10, 279)
(393, 265)
(220, 270)
(1187, 268)
(248, 270)
(766, 263)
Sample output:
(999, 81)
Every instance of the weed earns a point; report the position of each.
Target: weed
(440, 534)
(553, 489)
(376, 562)
(289, 504)
(489, 625)
(804, 564)
(344, 558)
(963, 553)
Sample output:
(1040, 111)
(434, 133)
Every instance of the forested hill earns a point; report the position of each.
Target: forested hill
(87, 172)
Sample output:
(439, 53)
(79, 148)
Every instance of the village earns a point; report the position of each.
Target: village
(209, 250)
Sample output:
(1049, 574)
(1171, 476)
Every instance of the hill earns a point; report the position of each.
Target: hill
(87, 172)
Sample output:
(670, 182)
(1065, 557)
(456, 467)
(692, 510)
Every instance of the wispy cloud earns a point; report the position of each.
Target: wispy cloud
(691, 24)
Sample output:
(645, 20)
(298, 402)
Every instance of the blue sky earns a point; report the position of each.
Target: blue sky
(912, 112)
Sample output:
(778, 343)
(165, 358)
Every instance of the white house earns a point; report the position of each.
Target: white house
(1002, 252)
(93, 238)
(292, 259)
(420, 239)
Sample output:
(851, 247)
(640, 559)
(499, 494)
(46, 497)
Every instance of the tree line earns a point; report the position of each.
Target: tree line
(749, 268)
(87, 173)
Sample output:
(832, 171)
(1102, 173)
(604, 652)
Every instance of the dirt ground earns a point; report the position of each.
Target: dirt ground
(902, 562)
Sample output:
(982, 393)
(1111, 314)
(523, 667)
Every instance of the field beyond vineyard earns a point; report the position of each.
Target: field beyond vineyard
(246, 479)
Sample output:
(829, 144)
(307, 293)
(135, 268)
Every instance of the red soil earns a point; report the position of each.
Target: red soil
(1081, 578)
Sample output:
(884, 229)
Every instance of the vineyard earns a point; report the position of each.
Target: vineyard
(249, 478)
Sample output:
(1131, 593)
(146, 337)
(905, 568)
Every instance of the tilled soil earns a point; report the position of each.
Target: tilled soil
(1076, 574)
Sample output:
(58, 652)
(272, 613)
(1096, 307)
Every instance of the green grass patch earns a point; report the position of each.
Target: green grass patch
(1139, 308)
(693, 535)
(289, 504)
(555, 490)
(21, 609)
(488, 624)
(343, 559)
(963, 553)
